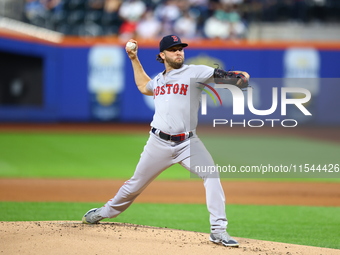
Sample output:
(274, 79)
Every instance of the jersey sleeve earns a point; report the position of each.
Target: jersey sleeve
(149, 86)
(205, 73)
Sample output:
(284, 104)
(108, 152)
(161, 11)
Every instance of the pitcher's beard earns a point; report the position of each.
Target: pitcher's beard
(174, 64)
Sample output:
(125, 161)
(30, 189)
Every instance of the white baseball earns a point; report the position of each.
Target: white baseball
(131, 45)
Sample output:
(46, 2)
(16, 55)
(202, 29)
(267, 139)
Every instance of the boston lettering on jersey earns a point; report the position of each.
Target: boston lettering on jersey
(171, 89)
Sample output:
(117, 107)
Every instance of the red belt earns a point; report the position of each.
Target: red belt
(174, 138)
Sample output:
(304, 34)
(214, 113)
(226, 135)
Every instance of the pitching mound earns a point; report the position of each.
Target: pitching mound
(117, 238)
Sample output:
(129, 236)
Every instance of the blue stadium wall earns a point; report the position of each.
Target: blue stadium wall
(68, 98)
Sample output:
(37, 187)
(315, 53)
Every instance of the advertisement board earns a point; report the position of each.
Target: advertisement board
(96, 82)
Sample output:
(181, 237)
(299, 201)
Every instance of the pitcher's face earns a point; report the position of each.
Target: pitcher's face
(174, 57)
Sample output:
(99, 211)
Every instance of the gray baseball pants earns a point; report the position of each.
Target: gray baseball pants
(159, 155)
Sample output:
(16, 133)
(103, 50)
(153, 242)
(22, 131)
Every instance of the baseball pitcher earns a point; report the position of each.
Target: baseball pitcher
(173, 137)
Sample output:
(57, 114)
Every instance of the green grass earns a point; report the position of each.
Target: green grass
(271, 150)
(115, 156)
(314, 226)
(275, 151)
(74, 156)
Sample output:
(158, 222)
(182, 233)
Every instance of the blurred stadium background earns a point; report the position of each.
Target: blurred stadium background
(188, 18)
(64, 61)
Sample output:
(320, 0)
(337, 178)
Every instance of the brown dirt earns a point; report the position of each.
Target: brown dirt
(237, 192)
(116, 238)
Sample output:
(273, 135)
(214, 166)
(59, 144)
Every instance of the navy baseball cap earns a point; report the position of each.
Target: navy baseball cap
(169, 41)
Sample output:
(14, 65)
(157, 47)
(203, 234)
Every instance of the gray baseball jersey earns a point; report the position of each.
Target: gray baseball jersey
(177, 98)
